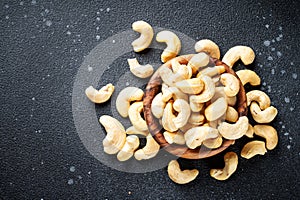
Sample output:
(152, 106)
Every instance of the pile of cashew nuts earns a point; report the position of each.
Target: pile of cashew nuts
(196, 106)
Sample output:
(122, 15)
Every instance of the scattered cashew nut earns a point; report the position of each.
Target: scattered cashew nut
(260, 97)
(131, 144)
(269, 133)
(248, 76)
(100, 96)
(173, 45)
(179, 176)
(231, 83)
(145, 38)
(141, 71)
(209, 47)
(263, 116)
(135, 117)
(234, 131)
(195, 136)
(231, 162)
(246, 54)
(149, 151)
(253, 148)
(250, 131)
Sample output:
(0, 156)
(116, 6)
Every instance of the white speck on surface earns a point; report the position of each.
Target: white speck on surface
(278, 39)
(98, 13)
(101, 9)
(264, 17)
(272, 49)
(273, 40)
(292, 108)
(267, 43)
(288, 146)
(69, 33)
(269, 88)
(107, 9)
(97, 28)
(47, 11)
(6, 6)
(264, 83)
(280, 28)
(286, 134)
(72, 169)
(97, 37)
(98, 18)
(294, 75)
(90, 69)
(282, 71)
(89, 172)
(6, 17)
(273, 71)
(126, 83)
(279, 54)
(292, 63)
(25, 16)
(48, 75)
(267, 25)
(280, 35)
(287, 100)
(21, 3)
(70, 181)
(113, 41)
(42, 162)
(270, 58)
(33, 2)
(283, 126)
(48, 23)
(33, 98)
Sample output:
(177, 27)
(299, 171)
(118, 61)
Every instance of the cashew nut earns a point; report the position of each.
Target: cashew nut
(135, 117)
(100, 96)
(213, 143)
(133, 131)
(248, 76)
(196, 107)
(174, 137)
(234, 131)
(231, 83)
(260, 97)
(184, 112)
(125, 97)
(207, 93)
(219, 92)
(131, 144)
(262, 116)
(253, 148)
(173, 45)
(231, 114)
(250, 131)
(195, 136)
(187, 127)
(190, 86)
(246, 54)
(231, 162)
(169, 77)
(181, 177)
(168, 93)
(115, 137)
(141, 71)
(168, 118)
(183, 70)
(211, 71)
(215, 110)
(196, 118)
(145, 38)
(158, 106)
(197, 61)
(269, 133)
(209, 47)
(149, 151)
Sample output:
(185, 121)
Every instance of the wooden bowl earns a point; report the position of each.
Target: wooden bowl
(154, 87)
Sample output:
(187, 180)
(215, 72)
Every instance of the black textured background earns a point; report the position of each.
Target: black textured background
(43, 43)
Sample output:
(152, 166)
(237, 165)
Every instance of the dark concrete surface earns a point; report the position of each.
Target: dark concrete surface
(43, 44)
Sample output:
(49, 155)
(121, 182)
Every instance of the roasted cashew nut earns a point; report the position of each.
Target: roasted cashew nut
(246, 54)
(145, 38)
(181, 177)
(191, 86)
(209, 47)
(168, 118)
(269, 133)
(100, 96)
(195, 136)
(231, 162)
(184, 112)
(216, 110)
(158, 106)
(213, 143)
(231, 83)
(173, 45)
(135, 117)
(131, 144)
(234, 131)
(141, 71)
(207, 93)
(174, 137)
(231, 114)
(198, 61)
(115, 137)
(248, 76)
(263, 116)
(260, 97)
(126, 96)
(253, 148)
(134, 131)
(149, 151)
(250, 131)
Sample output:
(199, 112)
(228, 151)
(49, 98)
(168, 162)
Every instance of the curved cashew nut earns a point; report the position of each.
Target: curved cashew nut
(231, 83)
(209, 47)
(253, 148)
(219, 92)
(135, 117)
(141, 71)
(231, 114)
(269, 133)
(168, 117)
(174, 137)
(231, 162)
(211, 71)
(131, 144)
(207, 93)
(115, 137)
(248, 76)
(216, 110)
(145, 38)
(263, 116)
(133, 131)
(213, 143)
(125, 97)
(181, 177)
(169, 77)
(260, 97)
(198, 61)
(195, 136)
(246, 54)
(158, 106)
(173, 45)
(169, 92)
(196, 107)
(234, 131)
(100, 96)
(184, 112)
(149, 151)
(183, 70)
(250, 131)
(196, 118)
(190, 86)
